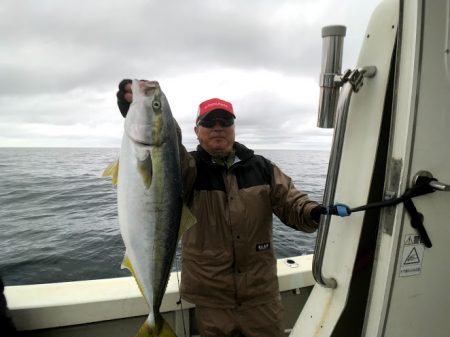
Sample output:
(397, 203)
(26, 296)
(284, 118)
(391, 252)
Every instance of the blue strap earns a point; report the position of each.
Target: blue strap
(341, 210)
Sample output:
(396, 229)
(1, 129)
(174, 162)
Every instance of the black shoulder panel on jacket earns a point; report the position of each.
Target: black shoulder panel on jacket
(209, 176)
(253, 172)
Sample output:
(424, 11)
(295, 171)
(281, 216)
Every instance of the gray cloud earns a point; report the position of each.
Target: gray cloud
(61, 60)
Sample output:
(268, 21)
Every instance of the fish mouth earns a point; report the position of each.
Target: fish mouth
(149, 87)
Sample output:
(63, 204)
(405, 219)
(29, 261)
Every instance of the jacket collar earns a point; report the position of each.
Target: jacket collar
(241, 151)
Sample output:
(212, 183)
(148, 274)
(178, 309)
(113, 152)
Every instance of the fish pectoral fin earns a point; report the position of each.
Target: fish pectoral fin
(187, 220)
(145, 168)
(112, 171)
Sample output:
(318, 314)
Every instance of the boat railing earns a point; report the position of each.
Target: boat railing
(68, 304)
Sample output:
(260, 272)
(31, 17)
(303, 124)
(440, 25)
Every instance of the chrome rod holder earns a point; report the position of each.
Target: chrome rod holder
(332, 49)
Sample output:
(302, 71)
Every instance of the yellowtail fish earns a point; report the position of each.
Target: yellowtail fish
(149, 194)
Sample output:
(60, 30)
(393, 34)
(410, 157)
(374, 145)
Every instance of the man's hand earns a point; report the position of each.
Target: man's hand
(125, 93)
(336, 209)
(124, 96)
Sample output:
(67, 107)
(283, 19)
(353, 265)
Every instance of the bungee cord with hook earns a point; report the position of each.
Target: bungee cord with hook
(422, 186)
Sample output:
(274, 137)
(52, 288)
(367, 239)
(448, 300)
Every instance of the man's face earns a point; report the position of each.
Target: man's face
(215, 133)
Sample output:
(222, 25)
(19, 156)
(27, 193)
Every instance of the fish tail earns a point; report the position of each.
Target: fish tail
(160, 329)
(152, 327)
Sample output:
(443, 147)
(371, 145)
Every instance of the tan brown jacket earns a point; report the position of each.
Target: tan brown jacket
(228, 255)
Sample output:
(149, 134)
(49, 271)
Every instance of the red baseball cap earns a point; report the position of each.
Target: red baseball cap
(214, 104)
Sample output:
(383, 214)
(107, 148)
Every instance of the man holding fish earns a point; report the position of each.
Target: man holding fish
(228, 262)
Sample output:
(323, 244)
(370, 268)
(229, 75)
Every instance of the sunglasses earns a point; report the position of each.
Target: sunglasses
(210, 122)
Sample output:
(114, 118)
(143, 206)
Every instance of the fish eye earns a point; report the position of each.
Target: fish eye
(156, 105)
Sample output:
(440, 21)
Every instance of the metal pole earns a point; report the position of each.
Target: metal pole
(332, 48)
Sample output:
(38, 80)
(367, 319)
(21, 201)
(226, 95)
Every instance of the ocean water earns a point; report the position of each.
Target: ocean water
(58, 216)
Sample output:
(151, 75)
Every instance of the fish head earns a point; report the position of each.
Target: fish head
(148, 113)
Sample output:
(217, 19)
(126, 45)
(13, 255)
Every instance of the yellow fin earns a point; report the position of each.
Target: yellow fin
(187, 220)
(112, 171)
(151, 331)
(126, 263)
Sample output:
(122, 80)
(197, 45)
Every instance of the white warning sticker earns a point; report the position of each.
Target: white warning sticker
(413, 249)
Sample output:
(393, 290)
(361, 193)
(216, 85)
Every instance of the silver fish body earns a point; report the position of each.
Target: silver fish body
(150, 198)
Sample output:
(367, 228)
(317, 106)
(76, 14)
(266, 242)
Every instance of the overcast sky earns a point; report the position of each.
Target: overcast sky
(61, 61)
